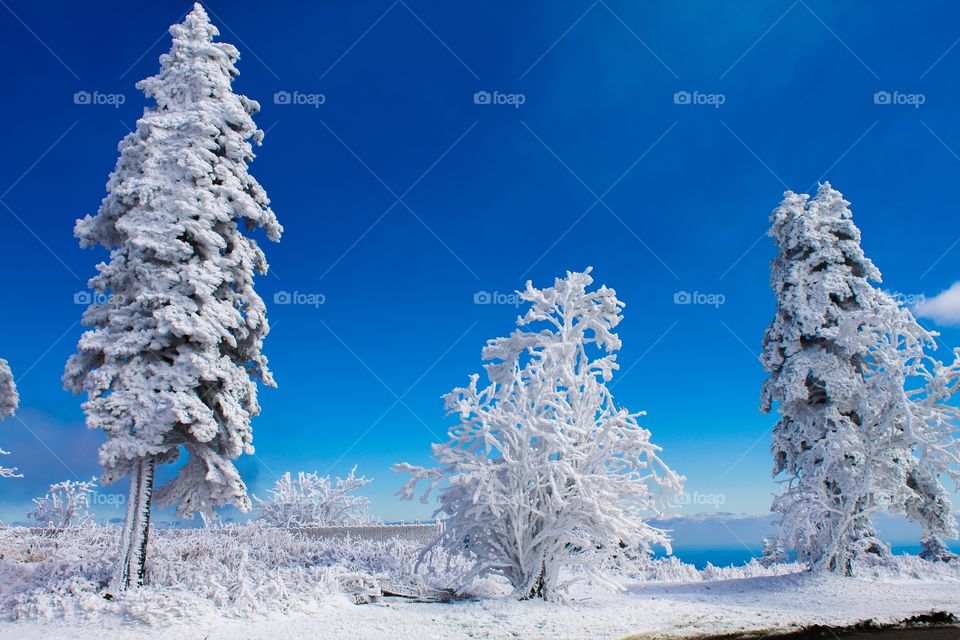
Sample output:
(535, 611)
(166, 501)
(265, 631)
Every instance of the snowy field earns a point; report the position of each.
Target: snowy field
(252, 582)
(546, 485)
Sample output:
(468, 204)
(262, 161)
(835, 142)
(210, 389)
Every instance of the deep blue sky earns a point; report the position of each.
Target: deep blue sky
(497, 195)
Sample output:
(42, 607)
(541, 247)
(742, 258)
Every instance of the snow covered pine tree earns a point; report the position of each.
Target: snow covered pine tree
(853, 437)
(9, 400)
(544, 470)
(174, 354)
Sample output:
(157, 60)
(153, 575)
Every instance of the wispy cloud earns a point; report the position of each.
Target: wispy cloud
(943, 308)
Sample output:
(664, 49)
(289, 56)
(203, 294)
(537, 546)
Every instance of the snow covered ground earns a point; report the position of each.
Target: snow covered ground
(668, 609)
(256, 583)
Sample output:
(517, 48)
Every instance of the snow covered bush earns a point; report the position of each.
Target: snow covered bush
(171, 361)
(544, 470)
(672, 569)
(233, 571)
(864, 421)
(67, 504)
(312, 500)
(9, 400)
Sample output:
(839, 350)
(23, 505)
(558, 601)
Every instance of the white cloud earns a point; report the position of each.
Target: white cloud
(943, 308)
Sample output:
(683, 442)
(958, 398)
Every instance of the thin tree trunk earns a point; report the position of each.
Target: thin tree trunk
(133, 546)
(123, 568)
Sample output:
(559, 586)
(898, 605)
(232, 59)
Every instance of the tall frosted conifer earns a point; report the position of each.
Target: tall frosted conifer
(172, 359)
(864, 425)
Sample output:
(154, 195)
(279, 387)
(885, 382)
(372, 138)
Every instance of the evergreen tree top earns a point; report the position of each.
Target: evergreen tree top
(820, 272)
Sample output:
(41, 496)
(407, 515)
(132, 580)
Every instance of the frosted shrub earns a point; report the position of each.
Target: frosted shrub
(312, 500)
(234, 571)
(545, 471)
(67, 504)
(672, 569)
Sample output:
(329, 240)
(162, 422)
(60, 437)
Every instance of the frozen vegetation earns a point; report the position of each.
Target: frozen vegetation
(865, 420)
(312, 500)
(66, 504)
(172, 358)
(56, 584)
(545, 470)
(551, 495)
(235, 571)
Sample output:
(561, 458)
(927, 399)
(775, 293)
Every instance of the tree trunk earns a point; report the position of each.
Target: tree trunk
(537, 589)
(133, 546)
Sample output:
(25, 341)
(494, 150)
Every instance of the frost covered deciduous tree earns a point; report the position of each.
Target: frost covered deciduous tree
(173, 357)
(312, 500)
(908, 395)
(67, 504)
(9, 401)
(544, 469)
(864, 425)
